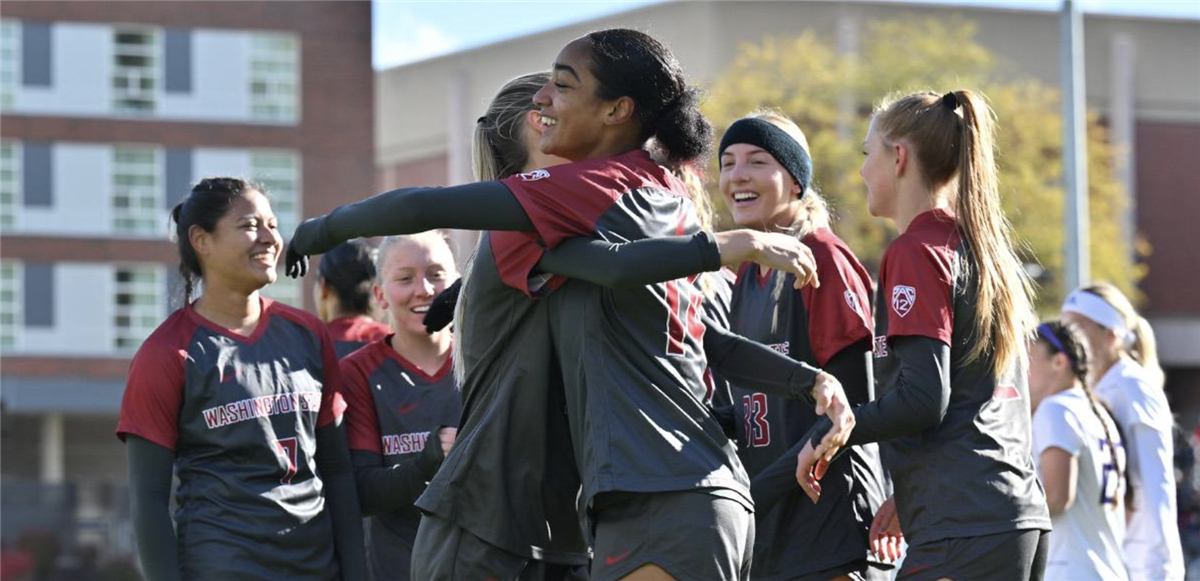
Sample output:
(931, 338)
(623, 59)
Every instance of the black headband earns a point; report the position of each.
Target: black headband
(775, 141)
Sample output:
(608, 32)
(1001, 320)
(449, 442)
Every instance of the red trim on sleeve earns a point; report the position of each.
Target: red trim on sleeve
(154, 392)
(356, 328)
(362, 419)
(916, 279)
(839, 312)
(333, 403)
(516, 255)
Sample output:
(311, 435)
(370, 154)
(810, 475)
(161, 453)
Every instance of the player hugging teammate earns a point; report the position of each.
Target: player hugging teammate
(581, 441)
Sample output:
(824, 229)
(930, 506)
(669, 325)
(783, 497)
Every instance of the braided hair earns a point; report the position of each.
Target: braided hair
(1060, 336)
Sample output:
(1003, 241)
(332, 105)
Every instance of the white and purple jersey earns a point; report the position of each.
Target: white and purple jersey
(241, 415)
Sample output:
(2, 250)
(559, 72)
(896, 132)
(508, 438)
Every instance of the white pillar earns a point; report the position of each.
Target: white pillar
(1122, 117)
(53, 454)
(460, 125)
(1077, 255)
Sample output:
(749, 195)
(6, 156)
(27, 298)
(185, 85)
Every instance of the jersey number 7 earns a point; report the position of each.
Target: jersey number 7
(288, 449)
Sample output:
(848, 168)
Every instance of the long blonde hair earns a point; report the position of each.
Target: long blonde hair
(1143, 347)
(498, 150)
(953, 137)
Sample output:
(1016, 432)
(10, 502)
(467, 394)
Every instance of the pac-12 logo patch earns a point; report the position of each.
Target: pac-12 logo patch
(535, 175)
(903, 299)
(852, 300)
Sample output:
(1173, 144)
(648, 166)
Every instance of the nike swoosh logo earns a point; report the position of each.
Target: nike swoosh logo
(613, 560)
(407, 407)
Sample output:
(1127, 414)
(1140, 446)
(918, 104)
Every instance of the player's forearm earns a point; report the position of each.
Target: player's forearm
(633, 264)
(150, 470)
(753, 365)
(918, 403)
(852, 368)
(341, 500)
(474, 206)
(386, 488)
(776, 481)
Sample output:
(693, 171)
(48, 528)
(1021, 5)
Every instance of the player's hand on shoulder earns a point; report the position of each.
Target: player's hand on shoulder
(770, 250)
(886, 537)
(446, 438)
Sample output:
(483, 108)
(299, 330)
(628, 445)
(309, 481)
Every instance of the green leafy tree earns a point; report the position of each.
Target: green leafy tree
(831, 97)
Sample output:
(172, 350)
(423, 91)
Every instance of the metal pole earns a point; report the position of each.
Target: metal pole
(1077, 258)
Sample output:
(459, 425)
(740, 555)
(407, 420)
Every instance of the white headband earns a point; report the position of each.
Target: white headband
(1092, 306)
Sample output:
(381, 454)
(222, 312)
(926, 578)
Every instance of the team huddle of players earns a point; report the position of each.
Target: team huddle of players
(626, 394)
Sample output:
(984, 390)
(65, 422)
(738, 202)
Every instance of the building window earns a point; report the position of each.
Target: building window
(135, 70)
(137, 191)
(10, 184)
(11, 322)
(274, 77)
(138, 304)
(279, 173)
(10, 62)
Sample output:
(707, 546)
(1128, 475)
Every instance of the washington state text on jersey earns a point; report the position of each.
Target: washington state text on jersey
(257, 407)
(404, 443)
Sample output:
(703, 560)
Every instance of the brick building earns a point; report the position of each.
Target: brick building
(108, 112)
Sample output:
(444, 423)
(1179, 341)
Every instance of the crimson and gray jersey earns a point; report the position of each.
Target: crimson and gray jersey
(510, 478)
(812, 325)
(241, 415)
(350, 334)
(926, 290)
(395, 410)
(633, 358)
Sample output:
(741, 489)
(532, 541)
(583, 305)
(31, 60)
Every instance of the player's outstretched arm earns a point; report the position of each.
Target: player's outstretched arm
(655, 260)
(385, 488)
(746, 362)
(150, 471)
(918, 402)
(341, 499)
(474, 206)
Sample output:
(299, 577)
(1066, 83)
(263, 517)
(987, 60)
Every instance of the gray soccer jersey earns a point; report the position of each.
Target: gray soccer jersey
(798, 537)
(395, 410)
(633, 359)
(983, 439)
(241, 415)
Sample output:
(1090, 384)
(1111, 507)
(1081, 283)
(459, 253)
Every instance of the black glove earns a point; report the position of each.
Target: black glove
(305, 241)
(295, 264)
(441, 310)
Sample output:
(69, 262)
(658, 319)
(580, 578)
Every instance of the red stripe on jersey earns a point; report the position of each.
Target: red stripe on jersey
(358, 329)
(362, 419)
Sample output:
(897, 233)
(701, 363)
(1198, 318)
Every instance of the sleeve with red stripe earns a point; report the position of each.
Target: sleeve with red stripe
(516, 255)
(362, 423)
(154, 392)
(917, 283)
(838, 310)
(333, 403)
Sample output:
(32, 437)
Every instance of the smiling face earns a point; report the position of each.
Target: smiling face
(572, 116)
(242, 250)
(758, 191)
(879, 172)
(411, 273)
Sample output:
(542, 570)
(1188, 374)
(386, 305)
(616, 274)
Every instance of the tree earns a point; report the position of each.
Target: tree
(831, 97)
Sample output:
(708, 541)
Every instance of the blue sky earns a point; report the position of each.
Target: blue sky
(411, 30)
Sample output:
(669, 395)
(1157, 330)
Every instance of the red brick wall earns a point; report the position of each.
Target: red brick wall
(1168, 211)
(425, 172)
(335, 133)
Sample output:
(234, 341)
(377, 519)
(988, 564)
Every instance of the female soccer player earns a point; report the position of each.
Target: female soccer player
(1080, 458)
(403, 406)
(1127, 377)
(239, 396)
(952, 316)
(766, 181)
(602, 120)
(343, 293)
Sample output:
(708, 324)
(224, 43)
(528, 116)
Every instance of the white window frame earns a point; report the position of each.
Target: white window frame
(12, 333)
(10, 62)
(143, 215)
(133, 77)
(274, 77)
(141, 317)
(280, 172)
(12, 185)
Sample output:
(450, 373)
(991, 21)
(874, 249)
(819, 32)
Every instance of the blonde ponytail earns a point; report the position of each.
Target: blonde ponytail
(953, 136)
